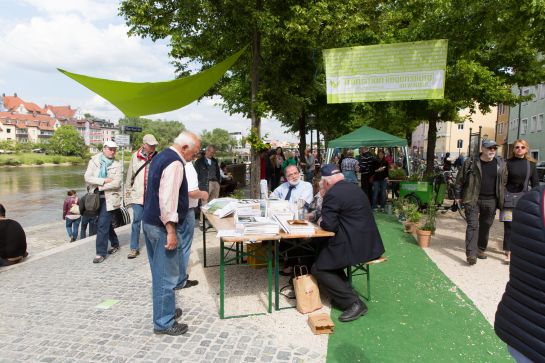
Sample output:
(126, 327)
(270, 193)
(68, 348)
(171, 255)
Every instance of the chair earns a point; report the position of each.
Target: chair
(364, 269)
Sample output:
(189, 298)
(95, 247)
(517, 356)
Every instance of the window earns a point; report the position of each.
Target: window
(460, 126)
(541, 91)
(500, 109)
(539, 126)
(500, 128)
(525, 92)
(533, 124)
(460, 144)
(9, 130)
(523, 126)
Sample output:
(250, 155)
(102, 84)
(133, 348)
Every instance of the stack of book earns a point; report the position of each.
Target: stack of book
(291, 226)
(246, 223)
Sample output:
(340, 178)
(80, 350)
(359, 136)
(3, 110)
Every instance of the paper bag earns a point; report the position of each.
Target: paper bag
(306, 290)
(321, 323)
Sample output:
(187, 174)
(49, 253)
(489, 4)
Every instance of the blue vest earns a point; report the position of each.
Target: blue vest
(152, 212)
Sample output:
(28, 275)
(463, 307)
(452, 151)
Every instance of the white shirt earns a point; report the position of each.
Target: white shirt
(303, 190)
(169, 188)
(192, 183)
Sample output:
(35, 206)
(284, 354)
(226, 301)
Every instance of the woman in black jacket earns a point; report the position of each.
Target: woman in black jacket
(520, 319)
(521, 172)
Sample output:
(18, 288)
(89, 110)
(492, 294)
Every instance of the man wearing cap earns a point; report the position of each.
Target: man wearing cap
(104, 173)
(480, 187)
(135, 184)
(347, 212)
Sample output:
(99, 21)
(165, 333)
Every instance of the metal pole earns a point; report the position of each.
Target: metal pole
(520, 103)
(122, 169)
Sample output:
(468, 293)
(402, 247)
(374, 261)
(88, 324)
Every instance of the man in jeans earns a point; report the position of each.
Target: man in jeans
(187, 228)
(480, 186)
(165, 208)
(137, 177)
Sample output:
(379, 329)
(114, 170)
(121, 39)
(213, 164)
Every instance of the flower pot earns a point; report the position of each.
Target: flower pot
(409, 227)
(423, 237)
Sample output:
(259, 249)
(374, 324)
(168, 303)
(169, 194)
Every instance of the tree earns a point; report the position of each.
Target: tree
(219, 138)
(68, 142)
(163, 130)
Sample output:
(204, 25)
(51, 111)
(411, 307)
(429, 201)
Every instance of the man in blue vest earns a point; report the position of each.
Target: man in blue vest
(165, 207)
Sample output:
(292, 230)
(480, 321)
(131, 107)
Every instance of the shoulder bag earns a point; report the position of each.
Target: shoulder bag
(92, 200)
(510, 199)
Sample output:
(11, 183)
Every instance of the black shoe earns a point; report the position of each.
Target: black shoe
(356, 310)
(188, 283)
(283, 273)
(72, 239)
(175, 329)
(471, 260)
(113, 250)
(481, 255)
(178, 313)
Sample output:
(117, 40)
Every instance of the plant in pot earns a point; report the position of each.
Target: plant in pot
(399, 206)
(413, 217)
(424, 232)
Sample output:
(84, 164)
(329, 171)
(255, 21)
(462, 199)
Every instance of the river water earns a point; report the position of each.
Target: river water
(35, 195)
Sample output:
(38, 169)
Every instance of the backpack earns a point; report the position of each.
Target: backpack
(92, 201)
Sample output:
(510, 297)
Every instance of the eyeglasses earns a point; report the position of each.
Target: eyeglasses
(520, 147)
(292, 174)
(492, 148)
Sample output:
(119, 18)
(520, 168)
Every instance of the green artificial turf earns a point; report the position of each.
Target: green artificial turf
(416, 313)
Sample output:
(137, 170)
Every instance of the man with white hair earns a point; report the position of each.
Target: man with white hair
(104, 173)
(295, 188)
(165, 208)
(345, 211)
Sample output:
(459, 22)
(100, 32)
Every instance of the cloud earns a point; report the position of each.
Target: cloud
(88, 9)
(70, 42)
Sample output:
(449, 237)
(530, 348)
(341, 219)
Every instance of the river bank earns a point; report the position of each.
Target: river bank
(34, 159)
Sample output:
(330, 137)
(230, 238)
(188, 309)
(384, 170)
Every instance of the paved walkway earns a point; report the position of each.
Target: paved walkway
(59, 307)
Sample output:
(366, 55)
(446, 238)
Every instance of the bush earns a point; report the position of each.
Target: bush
(56, 160)
(12, 162)
(39, 162)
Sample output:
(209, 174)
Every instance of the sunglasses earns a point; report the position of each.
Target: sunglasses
(492, 148)
(520, 147)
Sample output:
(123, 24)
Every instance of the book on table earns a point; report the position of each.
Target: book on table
(288, 225)
(252, 223)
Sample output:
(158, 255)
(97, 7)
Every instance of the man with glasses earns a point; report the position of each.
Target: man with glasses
(480, 185)
(295, 188)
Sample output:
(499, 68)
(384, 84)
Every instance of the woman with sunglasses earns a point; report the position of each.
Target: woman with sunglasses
(521, 173)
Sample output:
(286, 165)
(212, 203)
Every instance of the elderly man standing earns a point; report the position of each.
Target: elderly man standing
(345, 211)
(165, 208)
(137, 177)
(104, 172)
(295, 188)
(480, 185)
(208, 171)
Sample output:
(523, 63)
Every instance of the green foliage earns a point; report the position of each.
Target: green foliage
(397, 174)
(164, 131)
(407, 210)
(220, 138)
(431, 215)
(67, 141)
(7, 145)
(257, 143)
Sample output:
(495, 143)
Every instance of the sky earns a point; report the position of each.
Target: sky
(89, 37)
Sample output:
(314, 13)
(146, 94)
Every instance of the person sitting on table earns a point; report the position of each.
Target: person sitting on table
(345, 211)
(295, 188)
(12, 240)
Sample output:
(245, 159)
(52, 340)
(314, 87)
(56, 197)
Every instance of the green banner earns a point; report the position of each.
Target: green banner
(386, 72)
(139, 99)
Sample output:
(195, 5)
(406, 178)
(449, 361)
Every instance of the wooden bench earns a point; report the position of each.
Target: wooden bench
(364, 269)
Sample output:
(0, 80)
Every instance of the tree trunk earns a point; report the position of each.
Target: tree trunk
(302, 135)
(319, 153)
(255, 166)
(432, 138)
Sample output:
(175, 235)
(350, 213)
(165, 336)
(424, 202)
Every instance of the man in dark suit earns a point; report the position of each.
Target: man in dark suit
(345, 211)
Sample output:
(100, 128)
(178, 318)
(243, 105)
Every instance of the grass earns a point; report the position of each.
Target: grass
(416, 313)
(38, 159)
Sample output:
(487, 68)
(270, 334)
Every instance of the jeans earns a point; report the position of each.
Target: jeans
(379, 191)
(479, 217)
(92, 222)
(184, 233)
(518, 356)
(105, 230)
(165, 268)
(72, 226)
(137, 212)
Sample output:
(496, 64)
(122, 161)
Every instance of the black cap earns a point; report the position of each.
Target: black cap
(489, 143)
(329, 169)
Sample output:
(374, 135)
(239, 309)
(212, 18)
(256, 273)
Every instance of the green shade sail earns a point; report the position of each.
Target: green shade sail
(148, 98)
(367, 136)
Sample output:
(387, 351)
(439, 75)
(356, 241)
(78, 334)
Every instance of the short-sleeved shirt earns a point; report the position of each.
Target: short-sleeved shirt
(192, 183)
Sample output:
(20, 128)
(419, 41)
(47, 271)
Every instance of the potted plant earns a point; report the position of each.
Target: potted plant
(424, 232)
(413, 217)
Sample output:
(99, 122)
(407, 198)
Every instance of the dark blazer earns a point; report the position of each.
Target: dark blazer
(201, 166)
(346, 211)
(520, 319)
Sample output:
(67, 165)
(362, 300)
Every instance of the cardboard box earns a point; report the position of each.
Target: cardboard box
(321, 323)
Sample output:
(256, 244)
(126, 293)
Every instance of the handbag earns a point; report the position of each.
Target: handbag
(74, 209)
(510, 200)
(92, 200)
(120, 217)
(306, 290)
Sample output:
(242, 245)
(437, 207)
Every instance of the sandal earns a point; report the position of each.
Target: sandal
(98, 259)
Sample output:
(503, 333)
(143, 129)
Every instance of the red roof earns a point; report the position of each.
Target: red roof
(21, 121)
(61, 112)
(12, 102)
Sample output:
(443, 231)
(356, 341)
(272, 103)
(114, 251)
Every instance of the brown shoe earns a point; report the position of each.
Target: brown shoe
(481, 255)
(133, 254)
(471, 260)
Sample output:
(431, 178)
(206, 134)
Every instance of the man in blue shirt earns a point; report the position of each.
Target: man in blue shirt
(295, 188)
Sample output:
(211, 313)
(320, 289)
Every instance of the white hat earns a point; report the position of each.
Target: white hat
(110, 144)
(150, 140)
